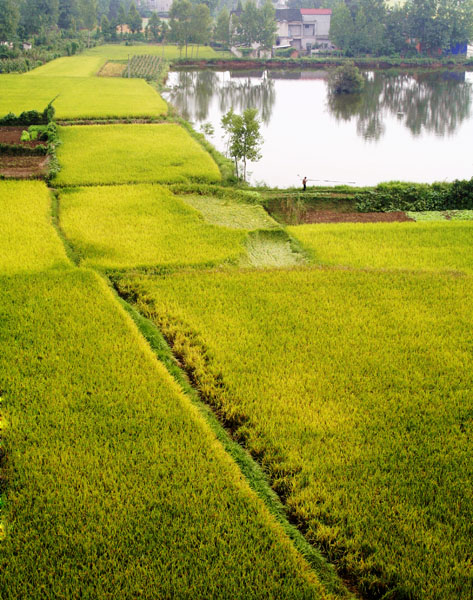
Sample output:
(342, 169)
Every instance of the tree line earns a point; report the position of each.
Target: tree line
(425, 26)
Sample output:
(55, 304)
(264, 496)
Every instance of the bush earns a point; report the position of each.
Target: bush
(346, 79)
(30, 117)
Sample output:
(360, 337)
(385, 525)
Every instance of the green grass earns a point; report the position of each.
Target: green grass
(435, 215)
(28, 240)
(142, 225)
(81, 97)
(121, 52)
(70, 66)
(116, 487)
(426, 246)
(112, 154)
(354, 389)
(231, 212)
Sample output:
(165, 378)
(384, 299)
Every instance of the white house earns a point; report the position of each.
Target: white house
(304, 28)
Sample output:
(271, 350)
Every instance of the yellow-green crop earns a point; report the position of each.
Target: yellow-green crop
(28, 240)
(142, 225)
(354, 388)
(70, 66)
(111, 154)
(118, 52)
(81, 97)
(115, 486)
(429, 246)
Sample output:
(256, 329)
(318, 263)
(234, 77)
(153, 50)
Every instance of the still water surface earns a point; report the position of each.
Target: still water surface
(408, 127)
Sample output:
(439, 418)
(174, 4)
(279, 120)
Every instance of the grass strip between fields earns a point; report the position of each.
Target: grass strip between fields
(116, 486)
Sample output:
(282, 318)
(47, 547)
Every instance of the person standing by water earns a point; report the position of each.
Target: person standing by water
(304, 184)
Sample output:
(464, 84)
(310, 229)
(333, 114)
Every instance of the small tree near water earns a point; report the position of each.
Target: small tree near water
(244, 137)
(346, 79)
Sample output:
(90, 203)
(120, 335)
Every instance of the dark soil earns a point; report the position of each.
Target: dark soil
(23, 167)
(12, 134)
(327, 216)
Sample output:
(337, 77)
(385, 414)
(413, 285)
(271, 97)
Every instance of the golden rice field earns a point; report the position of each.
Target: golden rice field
(430, 246)
(113, 154)
(354, 389)
(28, 240)
(116, 487)
(81, 97)
(142, 226)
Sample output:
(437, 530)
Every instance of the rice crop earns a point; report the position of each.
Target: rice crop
(354, 389)
(70, 66)
(28, 240)
(119, 52)
(81, 97)
(112, 154)
(116, 487)
(142, 225)
(426, 246)
(435, 215)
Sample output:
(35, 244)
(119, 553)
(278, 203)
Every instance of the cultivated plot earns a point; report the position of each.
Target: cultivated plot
(142, 225)
(81, 97)
(425, 246)
(28, 240)
(355, 389)
(118, 52)
(70, 66)
(112, 154)
(115, 487)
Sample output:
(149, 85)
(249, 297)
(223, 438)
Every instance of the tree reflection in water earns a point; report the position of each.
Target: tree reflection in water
(424, 101)
(194, 90)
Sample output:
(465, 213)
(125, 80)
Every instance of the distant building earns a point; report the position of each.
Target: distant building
(304, 29)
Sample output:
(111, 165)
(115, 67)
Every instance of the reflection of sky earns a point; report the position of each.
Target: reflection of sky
(303, 138)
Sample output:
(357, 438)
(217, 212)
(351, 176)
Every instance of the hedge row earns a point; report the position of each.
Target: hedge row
(394, 196)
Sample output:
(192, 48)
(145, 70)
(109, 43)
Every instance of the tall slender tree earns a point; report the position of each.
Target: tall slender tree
(9, 19)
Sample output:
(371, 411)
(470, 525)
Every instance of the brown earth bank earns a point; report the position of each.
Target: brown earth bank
(11, 134)
(328, 216)
(23, 167)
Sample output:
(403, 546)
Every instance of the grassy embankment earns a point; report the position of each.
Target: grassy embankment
(354, 390)
(112, 484)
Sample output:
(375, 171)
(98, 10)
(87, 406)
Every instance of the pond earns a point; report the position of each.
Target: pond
(415, 126)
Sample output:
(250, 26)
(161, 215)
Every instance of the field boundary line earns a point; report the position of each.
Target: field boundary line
(55, 216)
(249, 468)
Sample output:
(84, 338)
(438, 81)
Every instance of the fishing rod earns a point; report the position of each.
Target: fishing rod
(330, 181)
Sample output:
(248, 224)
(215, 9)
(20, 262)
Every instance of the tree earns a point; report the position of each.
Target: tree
(121, 17)
(244, 137)
(68, 14)
(346, 79)
(248, 24)
(222, 28)
(89, 16)
(9, 18)
(134, 20)
(154, 27)
(342, 29)
(181, 22)
(37, 15)
(202, 25)
(266, 25)
(105, 28)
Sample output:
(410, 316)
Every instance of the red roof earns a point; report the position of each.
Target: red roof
(316, 11)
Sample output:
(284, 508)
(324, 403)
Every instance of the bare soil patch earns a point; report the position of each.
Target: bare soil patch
(23, 167)
(11, 134)
(328, 216)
